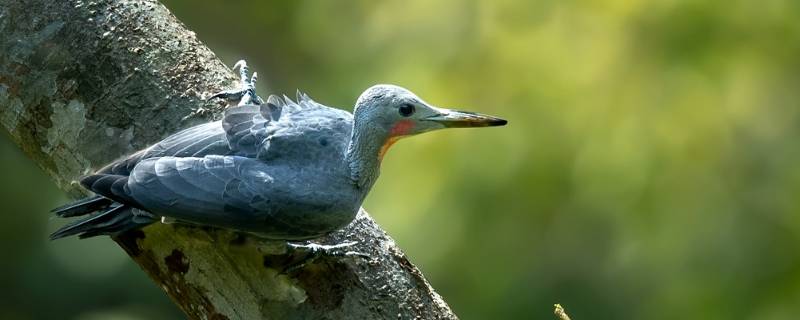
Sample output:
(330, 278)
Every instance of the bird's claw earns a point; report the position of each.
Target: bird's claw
(246, 94)
(313, 251)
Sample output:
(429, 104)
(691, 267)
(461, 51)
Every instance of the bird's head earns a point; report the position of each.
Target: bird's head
(397, 112)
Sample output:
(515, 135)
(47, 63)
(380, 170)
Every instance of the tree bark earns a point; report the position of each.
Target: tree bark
(85, 82)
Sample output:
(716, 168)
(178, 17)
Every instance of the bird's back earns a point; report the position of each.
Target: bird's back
(281, 131)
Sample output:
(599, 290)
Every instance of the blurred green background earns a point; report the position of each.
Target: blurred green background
(649, 170)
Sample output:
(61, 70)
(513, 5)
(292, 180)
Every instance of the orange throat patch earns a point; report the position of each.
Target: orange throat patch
(400, 129)
(385, 146)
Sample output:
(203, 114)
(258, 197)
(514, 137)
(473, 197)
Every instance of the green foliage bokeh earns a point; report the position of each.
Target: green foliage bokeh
(648, 171)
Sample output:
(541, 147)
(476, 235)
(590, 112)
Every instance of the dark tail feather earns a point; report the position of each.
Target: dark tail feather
(113, 221)
(83, 206)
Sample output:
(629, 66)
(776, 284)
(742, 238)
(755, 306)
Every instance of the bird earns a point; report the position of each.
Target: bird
(281, 169)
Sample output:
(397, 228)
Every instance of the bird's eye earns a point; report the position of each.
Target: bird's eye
(406, 110)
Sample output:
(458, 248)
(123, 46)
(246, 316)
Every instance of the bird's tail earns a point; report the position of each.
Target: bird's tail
(82, 207)
(112, 220)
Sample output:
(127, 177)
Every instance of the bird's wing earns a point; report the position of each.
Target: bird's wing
(234, 192)
(206, 187)
(285, 129)
(248, 127)
(197, 141)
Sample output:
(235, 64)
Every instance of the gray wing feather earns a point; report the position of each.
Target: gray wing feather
(200, 140)
(283, 128)
(196, 141)
(197, 189)
(247, 128)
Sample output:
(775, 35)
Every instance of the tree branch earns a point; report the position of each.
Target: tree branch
(560, 312)
(83, 83)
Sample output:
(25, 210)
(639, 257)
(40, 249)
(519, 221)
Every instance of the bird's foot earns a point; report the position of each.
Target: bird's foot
(312, 251)
(246, 94)
(167, 220)
(200, 111)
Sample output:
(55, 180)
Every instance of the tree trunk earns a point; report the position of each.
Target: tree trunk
(85, 82)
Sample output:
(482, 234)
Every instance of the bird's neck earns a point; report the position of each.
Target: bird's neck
(364, 154)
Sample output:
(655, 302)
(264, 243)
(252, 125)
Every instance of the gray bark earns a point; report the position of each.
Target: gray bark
(85, 82)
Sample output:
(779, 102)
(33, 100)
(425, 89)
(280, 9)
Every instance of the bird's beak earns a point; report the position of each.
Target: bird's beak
(464, 119)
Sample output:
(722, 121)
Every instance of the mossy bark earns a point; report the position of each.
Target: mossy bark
(85, 82)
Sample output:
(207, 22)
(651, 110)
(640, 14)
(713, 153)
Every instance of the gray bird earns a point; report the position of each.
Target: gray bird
(288, 170)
